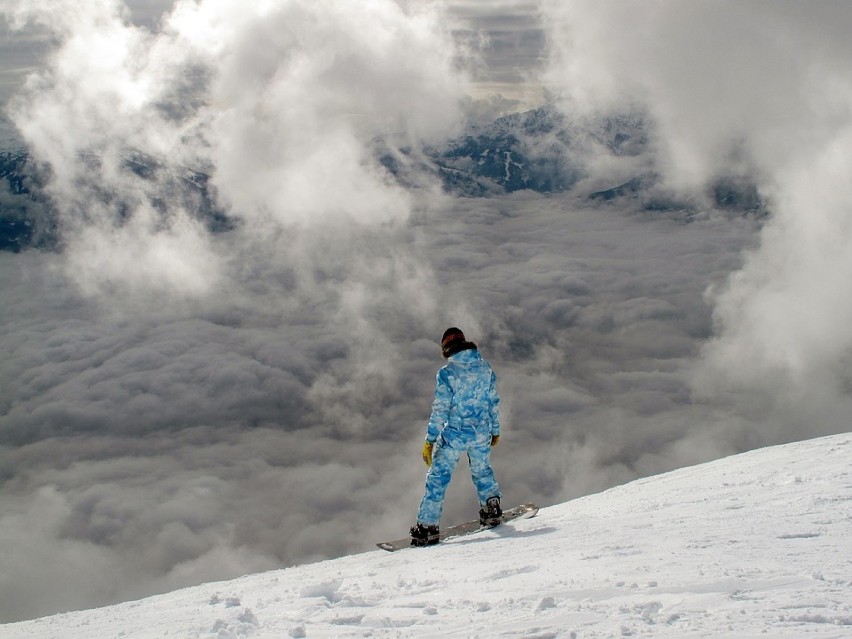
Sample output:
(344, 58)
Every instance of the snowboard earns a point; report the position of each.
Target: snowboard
(524, 511)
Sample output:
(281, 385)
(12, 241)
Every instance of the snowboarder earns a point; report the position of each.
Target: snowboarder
(465, 419)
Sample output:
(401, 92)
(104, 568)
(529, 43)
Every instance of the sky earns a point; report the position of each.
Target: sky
(179, 406)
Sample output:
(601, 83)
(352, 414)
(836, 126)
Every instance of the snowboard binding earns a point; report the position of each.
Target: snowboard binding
(424, 535)
(491, 514)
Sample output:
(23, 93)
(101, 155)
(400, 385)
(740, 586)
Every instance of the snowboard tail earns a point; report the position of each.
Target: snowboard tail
(524, 511)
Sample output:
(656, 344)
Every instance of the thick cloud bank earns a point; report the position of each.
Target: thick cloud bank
(281, 103)
(192, 442)
(759, 89)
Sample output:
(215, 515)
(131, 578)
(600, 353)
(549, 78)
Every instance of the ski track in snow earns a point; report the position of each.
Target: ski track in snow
(755, 545)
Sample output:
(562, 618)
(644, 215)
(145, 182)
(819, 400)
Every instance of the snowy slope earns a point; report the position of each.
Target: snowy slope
(759, 544)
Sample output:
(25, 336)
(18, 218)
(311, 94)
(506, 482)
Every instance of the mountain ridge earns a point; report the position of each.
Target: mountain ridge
(539, 150)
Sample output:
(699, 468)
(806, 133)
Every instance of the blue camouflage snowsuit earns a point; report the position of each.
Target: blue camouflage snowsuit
(464, 419)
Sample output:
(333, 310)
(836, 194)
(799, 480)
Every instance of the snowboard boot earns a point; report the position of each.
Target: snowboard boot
(491, 514)
(422, 535)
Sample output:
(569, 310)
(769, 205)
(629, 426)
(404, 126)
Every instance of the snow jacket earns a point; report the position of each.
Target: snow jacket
(466, 399)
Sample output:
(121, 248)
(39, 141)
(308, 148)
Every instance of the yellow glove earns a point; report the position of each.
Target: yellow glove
(495, 439)
(427, 452)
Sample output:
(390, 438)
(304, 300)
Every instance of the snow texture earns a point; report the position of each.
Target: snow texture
(758, 544)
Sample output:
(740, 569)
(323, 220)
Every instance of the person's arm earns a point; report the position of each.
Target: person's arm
(440, 406)
(494, 398)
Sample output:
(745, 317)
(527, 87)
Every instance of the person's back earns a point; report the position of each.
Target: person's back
(466, 395)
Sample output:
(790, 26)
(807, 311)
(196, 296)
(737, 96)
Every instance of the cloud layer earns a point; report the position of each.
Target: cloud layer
(280, 104)
(757, 89)
(276, 425)
(179, 406)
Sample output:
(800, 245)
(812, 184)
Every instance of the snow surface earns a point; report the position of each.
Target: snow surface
(755, 545)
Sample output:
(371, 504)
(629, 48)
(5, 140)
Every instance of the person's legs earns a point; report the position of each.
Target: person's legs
(444, 460)
(481, 471)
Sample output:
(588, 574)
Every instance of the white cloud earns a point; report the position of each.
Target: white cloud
(759, 89)
(282, 104)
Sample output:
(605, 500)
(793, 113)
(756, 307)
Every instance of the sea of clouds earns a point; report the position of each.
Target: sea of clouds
(179, 405)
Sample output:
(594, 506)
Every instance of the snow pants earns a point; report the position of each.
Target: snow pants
(448, 449)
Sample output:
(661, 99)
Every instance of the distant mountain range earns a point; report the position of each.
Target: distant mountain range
(537, 150)
(29, 219)
(26, 219)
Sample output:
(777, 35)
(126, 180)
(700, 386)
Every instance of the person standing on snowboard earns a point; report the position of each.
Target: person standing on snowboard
(465, 419)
